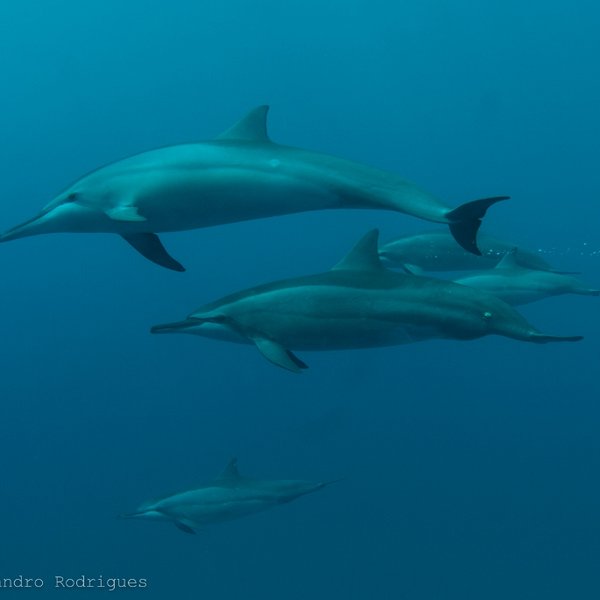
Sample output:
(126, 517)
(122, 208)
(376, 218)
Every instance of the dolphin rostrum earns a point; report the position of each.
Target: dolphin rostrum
(358, 304)
(241, 175)
(518, 285)
(437, 251)
(228, 497)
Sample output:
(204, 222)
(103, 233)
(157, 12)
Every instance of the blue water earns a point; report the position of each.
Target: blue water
(471, 468)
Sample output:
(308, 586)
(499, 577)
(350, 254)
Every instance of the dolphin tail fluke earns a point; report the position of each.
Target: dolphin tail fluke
(540, 338)
(465, 221)
(150, 247)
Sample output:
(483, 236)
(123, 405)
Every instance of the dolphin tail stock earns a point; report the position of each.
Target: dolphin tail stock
(587, 292)
(150, 247)
(465, 221)
(541, 338)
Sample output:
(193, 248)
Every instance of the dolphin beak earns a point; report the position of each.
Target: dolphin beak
(30, 227)
(133, 515)
(171, 327)
(540, 338)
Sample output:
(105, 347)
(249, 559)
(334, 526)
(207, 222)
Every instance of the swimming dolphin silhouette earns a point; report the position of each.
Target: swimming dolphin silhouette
(228, 497)
(437, 251)
(240, 175)
(358, 304)
(518, 285)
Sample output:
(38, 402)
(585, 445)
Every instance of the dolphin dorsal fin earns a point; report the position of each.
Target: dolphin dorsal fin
(251, 128)
(230, 473)
(364, 256)
(509, 260)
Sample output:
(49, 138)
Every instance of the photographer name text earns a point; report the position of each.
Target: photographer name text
(110, 584)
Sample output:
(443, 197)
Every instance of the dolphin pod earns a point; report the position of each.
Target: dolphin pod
(239, 176)
(229, 496)
(519, 285)
(357, 304)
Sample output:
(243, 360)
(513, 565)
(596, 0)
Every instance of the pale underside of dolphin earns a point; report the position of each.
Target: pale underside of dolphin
(241, 175)
(437, 251)
(518, 285)
(228, 497)
(358, 304)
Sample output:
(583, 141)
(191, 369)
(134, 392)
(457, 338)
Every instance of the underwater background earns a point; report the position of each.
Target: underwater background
(471, 468)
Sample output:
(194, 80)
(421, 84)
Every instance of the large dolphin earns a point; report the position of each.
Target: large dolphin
(358, 304)
(240, 175)
(437, 251)
(518, 285)
(228, 497)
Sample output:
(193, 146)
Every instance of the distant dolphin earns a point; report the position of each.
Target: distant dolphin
(228, 497)
(518, 285)
(358, 304)
(239, 176)
(437, 251)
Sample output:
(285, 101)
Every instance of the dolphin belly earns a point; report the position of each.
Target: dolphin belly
(219, 513)
(215, 504)
(223, 196)
(313, 333)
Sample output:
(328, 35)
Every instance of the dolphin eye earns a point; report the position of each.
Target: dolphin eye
(71, 197)
(487, 315)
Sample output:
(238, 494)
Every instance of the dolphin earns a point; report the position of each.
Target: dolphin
(437, 251)
(229, 496)
(519, 285)
(241, 175)
(357, 304)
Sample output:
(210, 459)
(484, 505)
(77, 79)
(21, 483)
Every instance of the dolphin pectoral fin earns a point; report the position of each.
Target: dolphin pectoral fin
(150, 246)
(129, 214)
(185, 528)
(278, 355)
(465, 221)
(412, 269)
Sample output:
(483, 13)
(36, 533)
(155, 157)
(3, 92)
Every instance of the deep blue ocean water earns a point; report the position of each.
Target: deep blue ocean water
(471, 469)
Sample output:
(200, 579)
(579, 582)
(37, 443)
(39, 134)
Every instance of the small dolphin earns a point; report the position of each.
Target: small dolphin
(518, 285)
(358, 304)
(228, 497)
(239, 176)
(437, 251)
